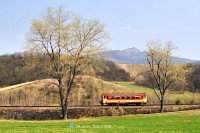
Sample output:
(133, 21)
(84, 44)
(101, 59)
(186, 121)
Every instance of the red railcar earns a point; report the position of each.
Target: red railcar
(123, 98)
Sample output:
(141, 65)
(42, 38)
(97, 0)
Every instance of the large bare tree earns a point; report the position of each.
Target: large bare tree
(70, 42)
(163, 72)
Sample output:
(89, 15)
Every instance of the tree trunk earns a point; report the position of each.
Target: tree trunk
(64, 113)
(65, 109)
(69, 86)
(162, 104)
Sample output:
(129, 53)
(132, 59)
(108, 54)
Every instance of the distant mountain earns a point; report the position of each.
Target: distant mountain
(135, 56)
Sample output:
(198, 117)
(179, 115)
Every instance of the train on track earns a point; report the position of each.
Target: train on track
(124, 99)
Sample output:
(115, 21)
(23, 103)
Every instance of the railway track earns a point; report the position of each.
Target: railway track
(95, 106)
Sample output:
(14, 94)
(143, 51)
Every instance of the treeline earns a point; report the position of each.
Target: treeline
(140, 75)
(23, 67)
(194, 77)
(113, 72)
(18, 68)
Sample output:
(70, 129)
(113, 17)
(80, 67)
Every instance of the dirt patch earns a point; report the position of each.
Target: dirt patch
(54, 114)
(30, 114)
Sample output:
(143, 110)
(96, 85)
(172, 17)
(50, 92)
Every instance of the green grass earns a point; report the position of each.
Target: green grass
(135, 88)
(179, 122)
(170, 97)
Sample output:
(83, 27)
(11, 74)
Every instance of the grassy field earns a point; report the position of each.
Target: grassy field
(179, 122)
(135, 88)
(170, 97)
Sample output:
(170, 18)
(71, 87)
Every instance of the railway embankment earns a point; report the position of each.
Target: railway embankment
(47, 113)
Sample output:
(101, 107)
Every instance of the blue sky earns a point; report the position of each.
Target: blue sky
(130, 22)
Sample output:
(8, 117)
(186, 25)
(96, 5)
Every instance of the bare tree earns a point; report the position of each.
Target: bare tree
(70, 42)
(163, 72)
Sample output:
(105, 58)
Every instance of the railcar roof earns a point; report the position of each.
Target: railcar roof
(122, 94)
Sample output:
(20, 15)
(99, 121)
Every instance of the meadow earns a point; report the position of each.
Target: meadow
(176, 122)
(171, 97)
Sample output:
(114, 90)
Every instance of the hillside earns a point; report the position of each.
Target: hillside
(20, 86)
(86, 93)
(135, 56)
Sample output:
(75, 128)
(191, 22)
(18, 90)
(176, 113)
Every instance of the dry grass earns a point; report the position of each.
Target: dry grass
(87, 91)
(36, 83)
(14, 87)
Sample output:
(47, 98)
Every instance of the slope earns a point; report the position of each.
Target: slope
(87, 92)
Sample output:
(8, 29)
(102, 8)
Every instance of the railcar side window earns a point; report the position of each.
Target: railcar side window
(137, 97)
(123, 97)
(117, 97)
(128, 97)
(112, 97)
(132, 97)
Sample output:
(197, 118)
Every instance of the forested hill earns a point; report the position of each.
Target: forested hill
(135, 56)
(21, 67)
